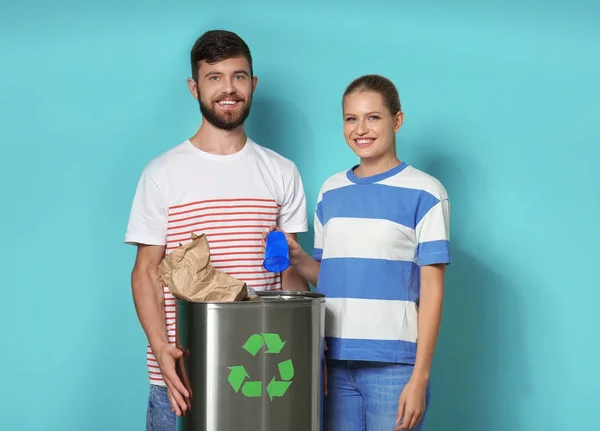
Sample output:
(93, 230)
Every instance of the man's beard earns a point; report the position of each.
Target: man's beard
(224, 120)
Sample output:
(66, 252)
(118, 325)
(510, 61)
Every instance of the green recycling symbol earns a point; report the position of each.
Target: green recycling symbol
(254, 388)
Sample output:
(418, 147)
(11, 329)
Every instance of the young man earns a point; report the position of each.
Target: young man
(218, 182)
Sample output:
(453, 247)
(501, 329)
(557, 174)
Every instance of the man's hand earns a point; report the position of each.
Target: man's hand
(167, 356)
(411, 405)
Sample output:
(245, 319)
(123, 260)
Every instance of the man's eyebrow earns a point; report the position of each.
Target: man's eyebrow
(235, 72)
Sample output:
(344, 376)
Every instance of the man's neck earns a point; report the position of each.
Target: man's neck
(218, 141)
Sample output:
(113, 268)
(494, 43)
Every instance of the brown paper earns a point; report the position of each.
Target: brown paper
(188, 274)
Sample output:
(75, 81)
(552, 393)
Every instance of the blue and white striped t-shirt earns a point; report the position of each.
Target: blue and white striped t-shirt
(371, 236)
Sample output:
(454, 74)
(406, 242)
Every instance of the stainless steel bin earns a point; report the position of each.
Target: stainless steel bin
(254, 365)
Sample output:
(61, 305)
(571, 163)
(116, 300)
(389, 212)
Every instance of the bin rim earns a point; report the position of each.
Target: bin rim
(300, 297)
(298, 293)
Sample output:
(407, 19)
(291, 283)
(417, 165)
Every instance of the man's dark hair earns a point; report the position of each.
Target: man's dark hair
(218, 45)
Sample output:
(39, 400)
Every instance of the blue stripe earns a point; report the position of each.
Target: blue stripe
(426, 203)
(432, 252)
(397, 204)
(395, 351)
(369, 279)
(319, 211)
(317, 254)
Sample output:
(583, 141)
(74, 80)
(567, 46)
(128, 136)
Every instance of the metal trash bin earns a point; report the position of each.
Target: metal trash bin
(253, 365)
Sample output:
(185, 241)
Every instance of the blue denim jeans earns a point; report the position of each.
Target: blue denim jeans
(159, 416)
(363, 396)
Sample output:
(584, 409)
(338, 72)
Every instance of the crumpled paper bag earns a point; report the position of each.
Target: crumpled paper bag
(188, 274)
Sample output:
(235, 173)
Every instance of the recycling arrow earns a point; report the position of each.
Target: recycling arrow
(286, 369)
(253, 344)
(273, 342)
(276, 388)
(252, 389)
(236, 377)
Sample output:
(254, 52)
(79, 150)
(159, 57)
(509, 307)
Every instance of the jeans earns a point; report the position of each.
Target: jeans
(159, 416)
(363, 396)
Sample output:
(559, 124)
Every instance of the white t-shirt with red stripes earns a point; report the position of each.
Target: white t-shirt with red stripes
(231, 198)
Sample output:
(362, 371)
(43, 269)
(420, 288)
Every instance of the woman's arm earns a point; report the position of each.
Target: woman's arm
(306, 266)
(430, 316)
(411, 405)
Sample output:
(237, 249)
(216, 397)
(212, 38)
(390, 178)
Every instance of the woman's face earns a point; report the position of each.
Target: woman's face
(369, 127)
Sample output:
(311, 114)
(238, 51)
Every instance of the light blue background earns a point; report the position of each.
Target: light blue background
(502, 105)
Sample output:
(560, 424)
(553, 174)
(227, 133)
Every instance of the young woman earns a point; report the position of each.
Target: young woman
(380, 251)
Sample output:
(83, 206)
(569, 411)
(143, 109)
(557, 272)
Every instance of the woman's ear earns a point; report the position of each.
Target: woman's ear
(398, 120)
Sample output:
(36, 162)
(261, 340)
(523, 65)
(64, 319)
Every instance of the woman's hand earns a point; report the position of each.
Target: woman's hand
(306, 266)
(411, 405)
(295, 249)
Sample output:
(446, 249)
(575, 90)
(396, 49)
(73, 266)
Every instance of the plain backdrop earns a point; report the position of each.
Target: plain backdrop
(501, 104)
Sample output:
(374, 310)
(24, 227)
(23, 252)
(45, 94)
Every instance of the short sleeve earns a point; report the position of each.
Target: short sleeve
(433, 234)
(149, 214)
(292, 214)
(317, 253)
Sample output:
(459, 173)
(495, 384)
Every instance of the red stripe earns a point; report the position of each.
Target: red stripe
(247, 226)
(222, 200)
(246, 275)
(236, 220)
(239, 266)
(268, 284)
(223, 213)
(212, 241)
(226, 247)
(259, 234)
(243, 259)
(236, 253)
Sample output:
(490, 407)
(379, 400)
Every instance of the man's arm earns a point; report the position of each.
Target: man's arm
(291, 278)
(148, 294)
(149, 303)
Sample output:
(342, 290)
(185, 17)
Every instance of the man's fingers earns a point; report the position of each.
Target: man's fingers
(174, 377)
(174, 405)
(176, 353)
(180, 405)
(184, 378)
(170, 374)
(269, 230)
(176, 384)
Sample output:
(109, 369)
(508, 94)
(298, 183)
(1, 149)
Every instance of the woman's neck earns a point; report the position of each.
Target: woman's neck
(370, 167)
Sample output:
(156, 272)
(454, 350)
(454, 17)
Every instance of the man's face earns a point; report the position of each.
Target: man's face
(224, 91)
